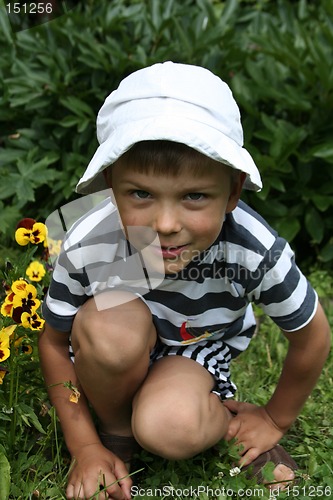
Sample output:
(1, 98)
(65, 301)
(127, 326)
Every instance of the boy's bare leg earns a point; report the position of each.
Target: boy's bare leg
(175, 415)
(112, 348)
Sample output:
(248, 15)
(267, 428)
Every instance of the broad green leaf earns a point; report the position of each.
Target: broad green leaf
(288, 227)
(25, 97)
(156, 14)
(70, 121)
(229, 10)
(8, 155)
(322, 202)
(273, 207)
(277, 184)
(4, 24)
(27, 414)
(183, 37)
(7, 188)
(326, 253)
(77, 106)
(4, 477)
(9, 217)
(325, 151)
(84, 123)
(314, 224)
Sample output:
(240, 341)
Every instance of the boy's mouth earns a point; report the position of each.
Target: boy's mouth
(169, 252)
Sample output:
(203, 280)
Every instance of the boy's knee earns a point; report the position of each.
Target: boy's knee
(174, 432)
(116, 336)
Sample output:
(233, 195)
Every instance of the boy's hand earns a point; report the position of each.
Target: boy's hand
(96, 467)
(253, 429)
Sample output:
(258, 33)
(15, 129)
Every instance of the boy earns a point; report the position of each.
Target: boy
(154, 363)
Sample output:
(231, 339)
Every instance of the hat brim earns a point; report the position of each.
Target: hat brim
(201, 137)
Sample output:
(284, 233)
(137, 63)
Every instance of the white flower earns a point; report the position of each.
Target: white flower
(235, 471)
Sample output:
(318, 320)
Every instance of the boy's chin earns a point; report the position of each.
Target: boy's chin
(174, 267)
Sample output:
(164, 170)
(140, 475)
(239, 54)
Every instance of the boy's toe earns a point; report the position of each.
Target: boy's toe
(283, 472)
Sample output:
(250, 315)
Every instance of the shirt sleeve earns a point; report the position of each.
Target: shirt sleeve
(91, 243)
(279, 287)
(68, 290)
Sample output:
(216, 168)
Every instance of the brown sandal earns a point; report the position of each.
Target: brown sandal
(277, 455)
(123, 446)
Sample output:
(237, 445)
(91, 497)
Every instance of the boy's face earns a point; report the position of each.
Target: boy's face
(185, 210)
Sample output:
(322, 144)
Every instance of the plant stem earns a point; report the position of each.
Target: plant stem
(13, 391)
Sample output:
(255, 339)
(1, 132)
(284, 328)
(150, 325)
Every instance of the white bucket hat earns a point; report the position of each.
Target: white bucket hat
(175, 102)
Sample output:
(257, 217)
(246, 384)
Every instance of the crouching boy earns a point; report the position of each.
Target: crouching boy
(154, 362)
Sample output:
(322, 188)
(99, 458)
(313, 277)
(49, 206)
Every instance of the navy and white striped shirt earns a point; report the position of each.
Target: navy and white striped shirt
(210, 299)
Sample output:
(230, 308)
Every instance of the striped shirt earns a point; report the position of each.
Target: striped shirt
(210, 299)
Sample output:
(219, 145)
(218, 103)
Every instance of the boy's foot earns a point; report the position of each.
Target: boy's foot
(283, 472)
(123, 446)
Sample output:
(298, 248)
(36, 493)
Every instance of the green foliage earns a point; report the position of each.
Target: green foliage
(4, 475)
(286, 92)
(29, 447)
(275, 55)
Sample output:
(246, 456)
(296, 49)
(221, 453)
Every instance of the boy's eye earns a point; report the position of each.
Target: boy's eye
(142, 195)
(194, 196)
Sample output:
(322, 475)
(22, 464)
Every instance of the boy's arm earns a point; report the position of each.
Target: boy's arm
(307, 353)
(260, 428)
(83, 443)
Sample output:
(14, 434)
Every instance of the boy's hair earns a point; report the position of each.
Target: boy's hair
(167, 158)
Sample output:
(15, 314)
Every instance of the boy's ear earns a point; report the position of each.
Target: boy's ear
(237, 183)
(107, 176)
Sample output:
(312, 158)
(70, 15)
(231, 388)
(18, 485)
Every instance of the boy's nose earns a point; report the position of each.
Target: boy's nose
(166, 221)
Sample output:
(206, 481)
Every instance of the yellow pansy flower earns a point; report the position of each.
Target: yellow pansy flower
(21, 343)
(8, 330)
(30, 231)
(32, 321)
(26, 298)
(2, 374)
(54, 247)
(74, 397)
(4, 346)
(22, 287)
(35, 271)
(7, 305)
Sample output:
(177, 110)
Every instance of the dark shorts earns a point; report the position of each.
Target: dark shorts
(213, 355)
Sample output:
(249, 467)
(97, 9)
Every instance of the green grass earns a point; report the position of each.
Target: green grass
(34, 462)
